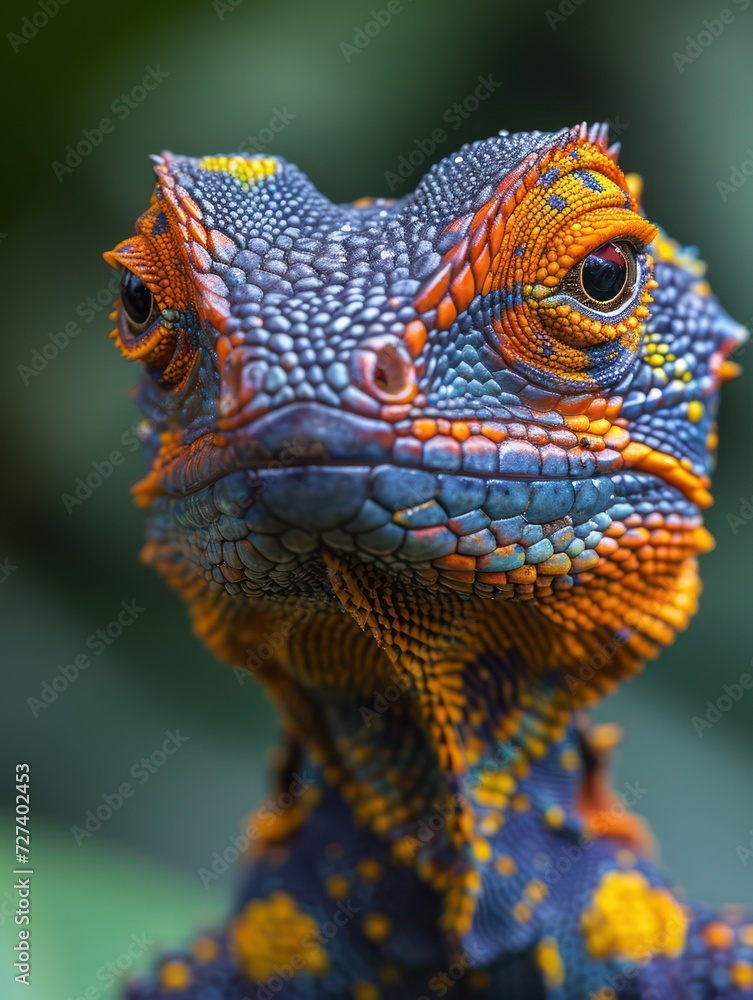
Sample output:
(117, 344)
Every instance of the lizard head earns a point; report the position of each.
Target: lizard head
(499, 389)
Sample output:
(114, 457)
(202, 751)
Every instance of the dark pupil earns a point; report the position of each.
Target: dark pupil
(604, 273)
(136, 298)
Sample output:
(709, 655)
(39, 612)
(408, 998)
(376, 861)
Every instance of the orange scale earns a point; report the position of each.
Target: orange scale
(197, 231)
(635, 538)
(455, 561)
(424, 429)
(609, 571)
(575, 419)
(650, 553)
(537, 435)
(481, 265)
(462, 287)
(617, 438)
(219, 241)
(654, 520)
(494, 432)
(592, 442)
(621, 555)
(415, 337)
(430, 295)
(597, 409)
(446, 313)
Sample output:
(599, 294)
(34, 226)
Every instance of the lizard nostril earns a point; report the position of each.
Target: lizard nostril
(390, 374)
(385, 369)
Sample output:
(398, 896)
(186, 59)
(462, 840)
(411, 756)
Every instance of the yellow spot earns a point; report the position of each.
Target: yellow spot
(506, 782)
(491, 823)
(338, 887)
(204, 949)
(270, 932)
(549, 960)
(521, 912)
(536, 891)
(366, 991)
(520, 802)
(369, 869)
(656, 360)
(554, 817)
(741, 974)
(569, 759)
(696, 410)
(377, 927)
(489, 798)
(404, 850)
(248, 170)
(174, 976)
(472, 881)
(630, 920)
(505, 865)
(482, 850)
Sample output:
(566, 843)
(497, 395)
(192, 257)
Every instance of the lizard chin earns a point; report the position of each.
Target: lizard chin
(438, 572)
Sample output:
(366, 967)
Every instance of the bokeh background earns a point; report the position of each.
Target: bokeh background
(231, 67)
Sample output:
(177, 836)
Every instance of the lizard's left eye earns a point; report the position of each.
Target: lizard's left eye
(138, 303)
(607, 276)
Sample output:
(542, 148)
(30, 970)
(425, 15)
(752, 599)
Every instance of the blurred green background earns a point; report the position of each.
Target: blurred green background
(351, 114)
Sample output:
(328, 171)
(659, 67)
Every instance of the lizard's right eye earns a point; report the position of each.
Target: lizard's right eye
(605, 272)
(138, 303)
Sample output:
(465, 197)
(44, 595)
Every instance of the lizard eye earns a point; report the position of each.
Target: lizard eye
(138, 303)
(606, 275)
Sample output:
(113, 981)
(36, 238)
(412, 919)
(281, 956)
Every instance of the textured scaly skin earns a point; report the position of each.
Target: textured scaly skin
(439, 500)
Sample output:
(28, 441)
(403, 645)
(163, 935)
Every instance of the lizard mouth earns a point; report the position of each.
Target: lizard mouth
(311, 435)
(309, 478)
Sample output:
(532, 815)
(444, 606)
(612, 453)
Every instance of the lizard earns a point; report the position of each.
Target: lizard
(433, 470)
